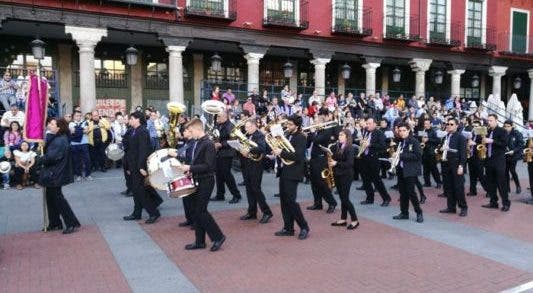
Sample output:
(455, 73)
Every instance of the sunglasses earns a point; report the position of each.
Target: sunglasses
(450, 124)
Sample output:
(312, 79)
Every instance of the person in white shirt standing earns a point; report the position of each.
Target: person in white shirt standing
(80, 147)
(13, 115)
(119, 128)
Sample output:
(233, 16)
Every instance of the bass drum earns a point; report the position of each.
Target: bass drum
(162, 169)
(114, 152)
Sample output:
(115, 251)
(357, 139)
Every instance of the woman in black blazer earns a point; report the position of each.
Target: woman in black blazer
(342, 163)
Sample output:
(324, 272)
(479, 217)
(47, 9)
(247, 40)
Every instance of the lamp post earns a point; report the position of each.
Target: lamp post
(517, 83)
(438, 77)
(396, 75)
(475, 81)
(216, 63)
(131, 55)
(287, 69)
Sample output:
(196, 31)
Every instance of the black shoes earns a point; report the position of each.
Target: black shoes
(439, 185)
(241, 183)
(339, 224)
(471, 194)
(490, 206)
(518, 190)
(423, 199)
(69, 230)
(352, 226)
(360, 188)
(217, 199)
(284, 232)
(185, 224)
(265, 218)
(419, 218)
(505, 208)
(234, 200)
(448, 211)
(152, 219)
(53, 228)
(463, 213)
(276, 194)
(385, 203)
(427, 184)
(248, 217)
(194, 246)
(441, 195)
(131, 217)
(314, 208)
(367, 202)
(304, 233)
(401, 217)
(331, 209)
(217, 244)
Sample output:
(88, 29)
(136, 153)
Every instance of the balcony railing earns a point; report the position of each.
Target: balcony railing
(476, 42)
(441, 38)
(510, 44)
(224, 10)
(171, 4)
(352, 26)
(118, 79)
(287, 16)
(398, 32)
(156, 82)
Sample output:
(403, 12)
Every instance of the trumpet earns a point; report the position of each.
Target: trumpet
(320, 126)
(327, 173)
(395, 159)
(438, 153)
(363, 146)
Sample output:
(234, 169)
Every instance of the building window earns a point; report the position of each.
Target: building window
(520, 30)
(395, 17)
(228, 73)
(346, 15)
(474, 23)
(282, 11)
(437, 22)
(156, 76)
(110, 73)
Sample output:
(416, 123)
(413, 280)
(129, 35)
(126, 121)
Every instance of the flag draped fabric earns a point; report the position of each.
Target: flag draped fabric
(36, 106)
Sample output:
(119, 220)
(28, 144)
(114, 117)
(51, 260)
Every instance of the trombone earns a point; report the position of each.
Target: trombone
(321, 126)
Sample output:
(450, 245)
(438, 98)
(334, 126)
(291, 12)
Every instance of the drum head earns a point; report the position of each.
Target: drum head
(162, 169)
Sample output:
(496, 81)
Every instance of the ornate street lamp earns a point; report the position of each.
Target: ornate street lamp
(131, 56)
(37, 49)
(396, 75)
(438, 77)
(216, 63)
(287, 69)
(346, 70)
(475, 81)
(517, 83)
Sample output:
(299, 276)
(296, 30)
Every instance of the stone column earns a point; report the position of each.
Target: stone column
(136, 73)
(530, 108)
(65, 76)
(456, 81)
(384, 81)
(253, 70)
(370, 69)
(497, 72)
(293, 81)
(198, 62)
(341, 83)
(320, 75)
(175, 73)
(420, 66)
(86, 38)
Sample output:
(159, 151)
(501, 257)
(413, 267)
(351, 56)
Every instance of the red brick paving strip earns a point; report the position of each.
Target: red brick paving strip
(374, 258)
(52, 262)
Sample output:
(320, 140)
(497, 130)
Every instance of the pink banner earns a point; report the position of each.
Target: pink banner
(109, 106)
(36, 106)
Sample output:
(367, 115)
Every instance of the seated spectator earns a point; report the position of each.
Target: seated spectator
(5, 176)
(13, 115)
(13, 136)
(25, 166)
(249, 106)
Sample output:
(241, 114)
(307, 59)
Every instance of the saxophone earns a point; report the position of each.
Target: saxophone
(395, 159)
(481, 148)
(528, 152)
(327, 173)
(362, 148)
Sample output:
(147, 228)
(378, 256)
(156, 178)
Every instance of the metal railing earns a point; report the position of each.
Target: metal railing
(515, 44)
(285, 16)
(156, 82)
(398, 32)
(476, 42)
(210, 9)
(503, 115)
(117, 79)
(441, 39)
(351, 25)
(154, 3)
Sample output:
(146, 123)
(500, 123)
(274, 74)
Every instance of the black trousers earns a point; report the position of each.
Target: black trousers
(356, 168)
(141, 198)
(429, 164)
(203, 220)
(475, 172)
(530, 173)
(495, 174)
(318, 186)
(371, 179)
(420, 188)
(97, 153)
(189, 202)
(510, 169)
(406, 186)
(127, 176)
(454, 186)
(225, 177)
(253, 175)
(19, 173)
(343, 184)
(58, 206)
(290, 209)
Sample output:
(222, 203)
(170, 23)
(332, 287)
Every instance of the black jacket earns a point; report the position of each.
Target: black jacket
(225, 131)
(499, 144)
(295, 171)
(203, 158)
(431, 144)
(458, 144)
(57, 164)
(344, 159)
(515, 143)
(139, 148)
(259, 138)
(410, 158)
(377, 145)
(320, 138)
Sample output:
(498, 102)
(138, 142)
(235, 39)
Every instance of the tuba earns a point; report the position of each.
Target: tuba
(213, 108)
(327, 173)
(175, 109)
(246, 143)
(481, 148)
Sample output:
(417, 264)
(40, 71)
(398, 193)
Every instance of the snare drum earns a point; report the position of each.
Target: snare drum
(181, 187)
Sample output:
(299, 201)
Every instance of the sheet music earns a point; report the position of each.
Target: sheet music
(277, 130)
(422, 133)
(389, 134)
(467, 134)
(441, 133)
(235, 144)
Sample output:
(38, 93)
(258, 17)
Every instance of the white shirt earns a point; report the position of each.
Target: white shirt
(10, 118)
(312, 99)
(118, 131)
(24, 156)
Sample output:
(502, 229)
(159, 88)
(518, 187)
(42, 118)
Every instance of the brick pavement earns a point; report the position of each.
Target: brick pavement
(374, 258)
(51, 262)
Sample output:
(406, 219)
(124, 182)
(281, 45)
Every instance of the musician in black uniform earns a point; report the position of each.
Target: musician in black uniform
(342, 163)
(370, 161)
(453, 169)
(408, 170)
(224, 158)
(202, 168)
(475, 164)
(496, 143)
(139, 148)
(318, 163)
(289, 176)
(429, 161)
(252, 170)
(515, 147)
(125, 139)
